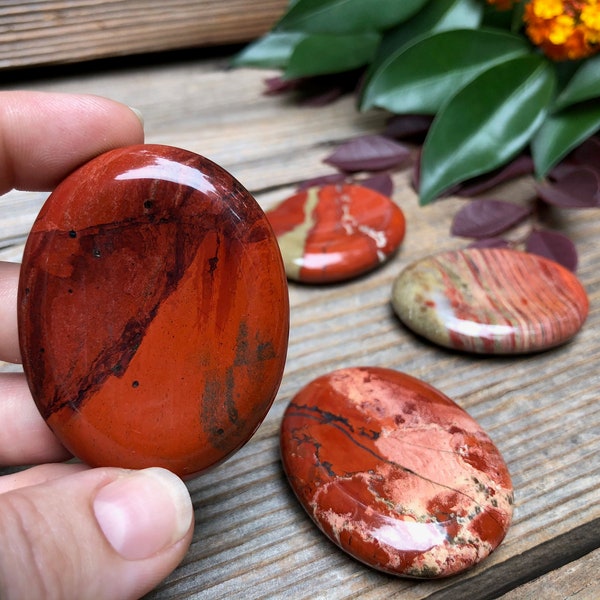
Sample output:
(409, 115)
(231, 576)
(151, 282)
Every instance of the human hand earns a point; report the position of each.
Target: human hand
(68, 531)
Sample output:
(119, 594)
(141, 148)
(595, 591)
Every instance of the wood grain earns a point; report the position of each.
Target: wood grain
(51, 31)
(252, 538)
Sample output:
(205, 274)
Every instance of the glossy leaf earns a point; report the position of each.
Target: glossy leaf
(273, 50)
(553, 245)
(441, 15)
(484, 218)
(421, 77)
(319, 54)
(584, 85)
(347, 16)
(368, 153)
(577, 188)
(562, 132)
(486, 123)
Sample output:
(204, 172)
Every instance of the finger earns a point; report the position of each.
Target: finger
(9, 341)
(44, 136)
(25, 439)
(101, 534)
(38, 474)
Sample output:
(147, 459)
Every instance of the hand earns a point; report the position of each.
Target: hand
(68, 531)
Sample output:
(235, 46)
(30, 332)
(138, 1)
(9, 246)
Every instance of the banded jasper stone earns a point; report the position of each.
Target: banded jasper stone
(153, 311)
(490, 301)
(336, 232)
(395, 473)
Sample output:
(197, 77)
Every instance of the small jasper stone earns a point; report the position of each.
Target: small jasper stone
(153, 311)
(336, 232)
(395, 473)
(490, 301)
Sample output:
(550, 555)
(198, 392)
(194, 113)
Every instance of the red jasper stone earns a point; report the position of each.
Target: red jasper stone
(395, 473)
(153, 311)
(336, 232)
(490, 301)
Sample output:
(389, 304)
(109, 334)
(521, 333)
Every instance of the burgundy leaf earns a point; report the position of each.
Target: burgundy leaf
(588, 154)
(578, 187)
(561, 170)
(553, 245)
(381, 183)
(522, 165)
(493, 242)
(368, 153)
(484, 218)
(323, 98)
(416, 171)
(279, 85)
(330, 179)
(407, 126)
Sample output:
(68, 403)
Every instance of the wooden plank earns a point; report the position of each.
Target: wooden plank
(252, 538)
(574, 581)
(62, 31)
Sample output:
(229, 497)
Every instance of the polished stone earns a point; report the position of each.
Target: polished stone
(395, 473)
(490, 301)
(153, 311)
(336, 232)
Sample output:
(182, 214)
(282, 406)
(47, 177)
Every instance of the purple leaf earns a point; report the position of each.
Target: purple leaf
(588, 154)
(492, 242)
(415, 176)
(561, 170)
(368, 153)
(278, 85)
(578, 187)
(407, 126)
(381, 183)
(484, 218)
(553, 245)
(330, 179)
(323, 98)
(522, 165)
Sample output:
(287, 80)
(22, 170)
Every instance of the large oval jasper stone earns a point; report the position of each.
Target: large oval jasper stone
(153, 311)
(336, 232)
(490, 300)
(395, 473)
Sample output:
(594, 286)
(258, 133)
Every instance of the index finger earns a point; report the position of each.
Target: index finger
(44, 136)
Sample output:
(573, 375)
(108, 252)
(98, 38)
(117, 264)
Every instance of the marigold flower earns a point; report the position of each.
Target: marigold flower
(564, 29)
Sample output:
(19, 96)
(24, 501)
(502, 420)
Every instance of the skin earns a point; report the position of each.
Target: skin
(57, 548)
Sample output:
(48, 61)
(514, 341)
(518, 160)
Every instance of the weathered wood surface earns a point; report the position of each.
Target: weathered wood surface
(252, 539)
(60, 31)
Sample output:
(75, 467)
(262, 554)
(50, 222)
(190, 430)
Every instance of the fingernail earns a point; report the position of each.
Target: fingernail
(144, 512)
(137, 113)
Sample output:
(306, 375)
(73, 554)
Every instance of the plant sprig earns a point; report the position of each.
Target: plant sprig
(491, 91)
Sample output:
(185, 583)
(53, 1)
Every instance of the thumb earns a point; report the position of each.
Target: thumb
(99, 533)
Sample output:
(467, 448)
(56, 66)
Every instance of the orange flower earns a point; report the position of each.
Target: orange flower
(564, 29)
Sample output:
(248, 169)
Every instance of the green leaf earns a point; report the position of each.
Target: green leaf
(273, 50)
(486, 123)
(421, 77)
(347, 16)
(437, 16)
(562, 132)
(584, 85)
(319, 54)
